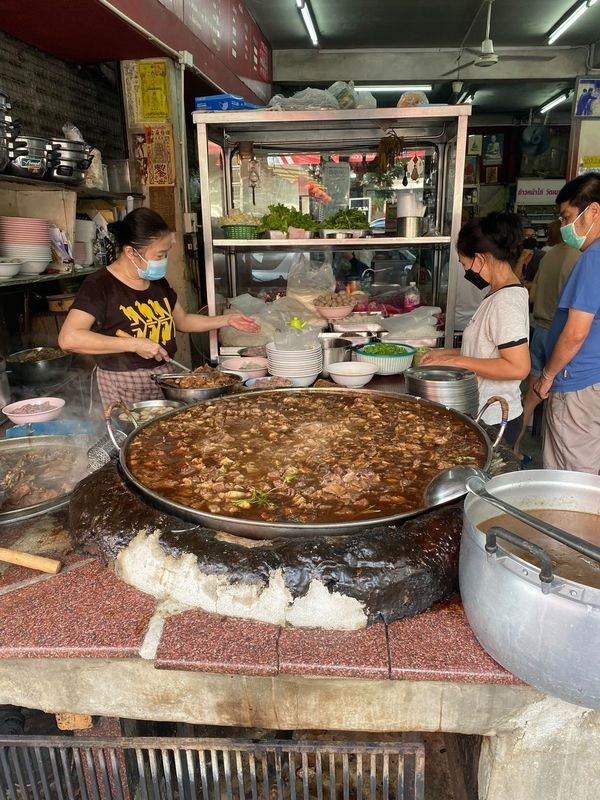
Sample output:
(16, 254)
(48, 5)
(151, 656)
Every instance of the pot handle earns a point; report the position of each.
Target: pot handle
(491, 547)
(108, 420)
(503, 422)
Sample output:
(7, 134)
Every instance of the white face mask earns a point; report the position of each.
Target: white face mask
(155, 269)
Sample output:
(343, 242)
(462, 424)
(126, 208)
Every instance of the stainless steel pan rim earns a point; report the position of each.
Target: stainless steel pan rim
(27, 443)
(256, 529)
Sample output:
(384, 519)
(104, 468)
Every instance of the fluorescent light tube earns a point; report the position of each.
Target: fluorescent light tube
(552, 103)
(557, 32)
(308, 22)
(424, 87)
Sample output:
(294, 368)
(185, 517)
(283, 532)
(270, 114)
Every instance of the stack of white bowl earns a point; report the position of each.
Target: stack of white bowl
(83, 249)
(28, 240)
(301, 367)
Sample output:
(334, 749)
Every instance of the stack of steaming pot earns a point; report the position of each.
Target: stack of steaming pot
(36, 157)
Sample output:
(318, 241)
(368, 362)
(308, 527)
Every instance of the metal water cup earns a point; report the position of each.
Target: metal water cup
(334, 351)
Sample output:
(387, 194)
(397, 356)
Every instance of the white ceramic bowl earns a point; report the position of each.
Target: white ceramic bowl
(22, 418)
(34, 267)
(248, 367)
(300, 382)
(251, 382)
(8, 269)
(334, 312)
(387, 364)
(353, 374)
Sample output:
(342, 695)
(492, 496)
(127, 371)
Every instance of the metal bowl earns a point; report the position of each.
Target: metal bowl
(164, 406)
(189, 396)
(41, 371)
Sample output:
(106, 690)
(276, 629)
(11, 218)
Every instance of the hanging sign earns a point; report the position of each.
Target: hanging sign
(535, 192)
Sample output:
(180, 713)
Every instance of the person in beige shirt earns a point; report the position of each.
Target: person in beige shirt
(554, 269)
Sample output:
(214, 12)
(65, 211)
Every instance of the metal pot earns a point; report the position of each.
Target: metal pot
(255, 529)
(189, 396)
(543, 628)
(410, 227)
(42, 371)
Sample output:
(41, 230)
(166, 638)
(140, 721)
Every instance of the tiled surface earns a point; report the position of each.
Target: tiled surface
(85, 613)
(439, 645)
(204, 642)
(350, 654)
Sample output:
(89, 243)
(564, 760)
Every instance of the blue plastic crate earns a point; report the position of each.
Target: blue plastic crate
(220, 102)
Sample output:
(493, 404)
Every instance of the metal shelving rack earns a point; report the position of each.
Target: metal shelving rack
(325, 131)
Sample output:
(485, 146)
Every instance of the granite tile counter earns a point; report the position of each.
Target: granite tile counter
(82, 641)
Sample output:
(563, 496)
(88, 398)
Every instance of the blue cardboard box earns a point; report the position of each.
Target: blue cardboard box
(222, 102)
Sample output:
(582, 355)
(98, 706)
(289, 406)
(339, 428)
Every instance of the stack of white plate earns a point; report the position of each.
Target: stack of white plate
(453, 387)
(301, 367)
(28, 240)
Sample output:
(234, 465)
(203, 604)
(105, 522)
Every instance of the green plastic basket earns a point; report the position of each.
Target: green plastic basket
(240, 231)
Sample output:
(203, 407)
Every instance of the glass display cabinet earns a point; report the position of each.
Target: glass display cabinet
(403, 167)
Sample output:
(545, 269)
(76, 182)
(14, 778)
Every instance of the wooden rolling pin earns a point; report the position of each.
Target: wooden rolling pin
(40, 563)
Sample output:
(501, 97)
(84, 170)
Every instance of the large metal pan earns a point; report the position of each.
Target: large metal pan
(255, 529)
(26, 444)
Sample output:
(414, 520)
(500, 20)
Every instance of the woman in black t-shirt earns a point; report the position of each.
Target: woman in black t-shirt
(126, 315)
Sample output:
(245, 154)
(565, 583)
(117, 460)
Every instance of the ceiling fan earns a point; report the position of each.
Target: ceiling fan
(486, 56)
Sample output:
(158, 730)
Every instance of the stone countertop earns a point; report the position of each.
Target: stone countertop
(85, 612)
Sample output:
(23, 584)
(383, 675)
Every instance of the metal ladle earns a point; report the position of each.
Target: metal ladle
(453, 483)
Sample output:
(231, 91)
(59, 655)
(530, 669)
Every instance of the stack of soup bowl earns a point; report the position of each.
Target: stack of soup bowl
(301, 367)
(27, 240)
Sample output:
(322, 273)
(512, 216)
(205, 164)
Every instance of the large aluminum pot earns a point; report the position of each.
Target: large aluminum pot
(37, 370)
(256, 529)
(546, 632)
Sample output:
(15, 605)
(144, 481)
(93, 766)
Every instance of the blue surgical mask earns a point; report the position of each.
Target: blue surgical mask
(155, 269)
(570, 235)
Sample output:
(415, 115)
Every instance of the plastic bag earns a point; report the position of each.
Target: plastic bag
(307, 280)
(366, 100)
(344, 93)
(307, 98)
(410, 99)
(72, 132)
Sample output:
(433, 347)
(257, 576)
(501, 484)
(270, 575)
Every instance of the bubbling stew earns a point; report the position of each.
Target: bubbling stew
(303, 456)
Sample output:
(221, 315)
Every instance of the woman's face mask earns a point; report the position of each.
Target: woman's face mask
(155, 268)
(475, 277)
(571, 237)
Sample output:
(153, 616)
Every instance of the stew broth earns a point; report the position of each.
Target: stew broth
(568, 563)
(307, 456)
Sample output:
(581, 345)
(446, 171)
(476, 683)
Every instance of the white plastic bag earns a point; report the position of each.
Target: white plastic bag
(344, 93)
(307, 98)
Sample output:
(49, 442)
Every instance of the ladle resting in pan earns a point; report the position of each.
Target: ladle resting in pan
(453, 483)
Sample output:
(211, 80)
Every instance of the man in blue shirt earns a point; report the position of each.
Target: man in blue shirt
(571, 378)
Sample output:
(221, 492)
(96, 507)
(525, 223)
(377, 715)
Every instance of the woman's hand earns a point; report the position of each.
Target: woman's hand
(148, 349)
(440, 357)
(241, 323)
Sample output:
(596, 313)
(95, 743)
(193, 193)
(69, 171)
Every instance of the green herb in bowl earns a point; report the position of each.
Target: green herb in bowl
(382, 349)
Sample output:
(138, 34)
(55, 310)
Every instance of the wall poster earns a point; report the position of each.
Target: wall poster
(587, 98)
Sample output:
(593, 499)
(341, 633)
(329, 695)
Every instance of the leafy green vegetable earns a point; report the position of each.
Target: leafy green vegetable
(350, 218)
(383, 349)
(280, 217)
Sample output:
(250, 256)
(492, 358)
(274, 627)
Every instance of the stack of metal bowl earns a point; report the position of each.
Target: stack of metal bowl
(453, 387)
